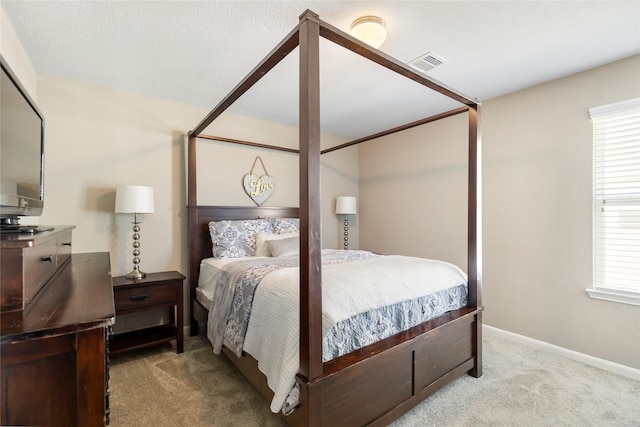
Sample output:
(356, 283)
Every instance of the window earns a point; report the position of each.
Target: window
(616, 201)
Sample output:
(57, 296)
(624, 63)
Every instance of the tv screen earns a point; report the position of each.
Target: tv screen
(21, 151)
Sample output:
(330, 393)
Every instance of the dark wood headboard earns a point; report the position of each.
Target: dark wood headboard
(200, 240)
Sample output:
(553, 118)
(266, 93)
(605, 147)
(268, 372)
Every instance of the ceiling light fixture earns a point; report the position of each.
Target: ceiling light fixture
(369, 29)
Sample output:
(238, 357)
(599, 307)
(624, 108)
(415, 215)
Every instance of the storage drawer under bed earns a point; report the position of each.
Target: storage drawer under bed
(402, 375)
(450, 347)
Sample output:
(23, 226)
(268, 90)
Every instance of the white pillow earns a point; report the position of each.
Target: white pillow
(262, 249)
(284, 247)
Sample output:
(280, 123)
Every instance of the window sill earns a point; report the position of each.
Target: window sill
(623, 297)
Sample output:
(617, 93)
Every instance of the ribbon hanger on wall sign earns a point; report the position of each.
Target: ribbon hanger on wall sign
(258, 188)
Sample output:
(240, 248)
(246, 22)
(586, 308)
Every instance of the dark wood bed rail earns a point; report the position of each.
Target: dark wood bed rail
(346, 144)
(306, 36)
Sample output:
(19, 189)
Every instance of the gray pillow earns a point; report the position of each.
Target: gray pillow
(284, 247)
(262, 238)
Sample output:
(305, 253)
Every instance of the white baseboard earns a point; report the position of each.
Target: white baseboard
(616, 368)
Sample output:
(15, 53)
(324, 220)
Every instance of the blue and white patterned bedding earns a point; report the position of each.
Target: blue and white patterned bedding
(233, 294)
(369, 327)
(366, 298)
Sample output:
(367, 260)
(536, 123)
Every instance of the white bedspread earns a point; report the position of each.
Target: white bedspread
(347, 289)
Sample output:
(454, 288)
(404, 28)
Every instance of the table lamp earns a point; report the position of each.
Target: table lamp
(135, 199)
(346, 205)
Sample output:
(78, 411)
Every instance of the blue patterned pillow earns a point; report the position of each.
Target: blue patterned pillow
(285, 225)
(236, 239)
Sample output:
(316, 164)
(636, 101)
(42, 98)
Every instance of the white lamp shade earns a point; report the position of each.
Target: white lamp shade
(346, 205)
(134, 199)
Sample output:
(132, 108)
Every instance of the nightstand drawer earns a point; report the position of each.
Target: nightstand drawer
(146, 296)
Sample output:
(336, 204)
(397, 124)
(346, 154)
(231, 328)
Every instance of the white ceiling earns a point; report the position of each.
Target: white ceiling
(197, 51)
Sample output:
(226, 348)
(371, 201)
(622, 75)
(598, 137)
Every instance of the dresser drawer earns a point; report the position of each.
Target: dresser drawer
(27, 263)
(39, 265)
(64, 247)
(144, 297)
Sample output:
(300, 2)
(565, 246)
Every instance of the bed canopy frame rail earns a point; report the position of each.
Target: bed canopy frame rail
(313, 372)
(346, 144)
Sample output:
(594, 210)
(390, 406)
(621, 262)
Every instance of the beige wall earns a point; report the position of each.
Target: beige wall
(538, 215)
(537, 172)
(98, 138)
(413, 191)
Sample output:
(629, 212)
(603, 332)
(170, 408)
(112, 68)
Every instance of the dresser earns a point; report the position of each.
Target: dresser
(53, 352)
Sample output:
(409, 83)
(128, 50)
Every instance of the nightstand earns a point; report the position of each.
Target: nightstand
(154, 291)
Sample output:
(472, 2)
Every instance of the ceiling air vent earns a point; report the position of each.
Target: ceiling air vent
(427, 62)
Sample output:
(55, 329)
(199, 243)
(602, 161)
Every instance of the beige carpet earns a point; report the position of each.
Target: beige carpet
(521, 386)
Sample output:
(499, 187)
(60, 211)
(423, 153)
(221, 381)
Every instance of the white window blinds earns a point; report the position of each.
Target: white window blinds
(616, 129)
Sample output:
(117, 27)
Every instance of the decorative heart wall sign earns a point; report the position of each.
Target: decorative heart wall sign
(259, 188)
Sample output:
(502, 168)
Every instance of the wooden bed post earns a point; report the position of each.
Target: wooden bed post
(192, 174)
(310, 225)
(194, 242)
(474, 255)
(310, 229)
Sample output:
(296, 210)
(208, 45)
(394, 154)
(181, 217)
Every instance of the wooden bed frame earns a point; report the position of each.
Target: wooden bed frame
(378, 383)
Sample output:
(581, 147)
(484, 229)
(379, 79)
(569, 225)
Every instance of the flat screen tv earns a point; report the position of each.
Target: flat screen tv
(21, 152)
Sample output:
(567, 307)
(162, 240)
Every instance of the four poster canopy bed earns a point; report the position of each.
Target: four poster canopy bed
(378, 378)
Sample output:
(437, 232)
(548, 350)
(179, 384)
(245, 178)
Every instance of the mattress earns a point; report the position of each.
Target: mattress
(254, 305)
(202, 299)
